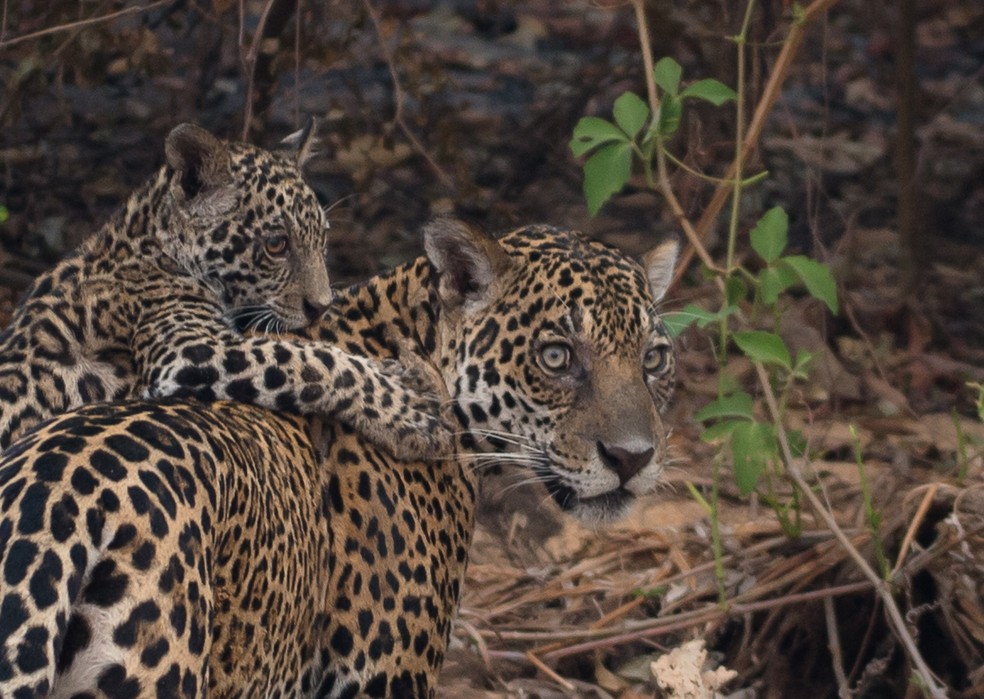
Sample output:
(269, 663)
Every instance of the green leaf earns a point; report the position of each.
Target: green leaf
(650, 593)
(816, 277)
(802, 363)
(701, 317)
(775, 280)
(692, 313)
(592, 132)
(605, 173)
(711, 90)
(752, 445)
(737, 404)
(667, 74)
(735, 289)
(4, 213)
(768, 236)
(677, 321)
(764, 347)
(797, 442)
(719, 431)
(803, 358)
(630, 113)
(670, 110)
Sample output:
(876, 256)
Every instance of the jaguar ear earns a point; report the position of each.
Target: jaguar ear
(467, 261)
(202, 163)
(302, 143)
(659, 263)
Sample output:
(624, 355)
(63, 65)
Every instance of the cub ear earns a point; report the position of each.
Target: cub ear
(659, 263)
(467, 261)
(302, 143)
(201, 161)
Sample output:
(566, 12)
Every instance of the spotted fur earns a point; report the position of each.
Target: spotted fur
(226, 236)
(159, 549)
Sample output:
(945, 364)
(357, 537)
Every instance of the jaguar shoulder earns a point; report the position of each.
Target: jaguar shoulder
(159, 549)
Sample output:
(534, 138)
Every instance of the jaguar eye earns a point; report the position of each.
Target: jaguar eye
(555, 357)
(655, 359)
(275, 245)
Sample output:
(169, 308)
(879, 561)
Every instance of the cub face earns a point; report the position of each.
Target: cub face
(563, 361)
(242, 220)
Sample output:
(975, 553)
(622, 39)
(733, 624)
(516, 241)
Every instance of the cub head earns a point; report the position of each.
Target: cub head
(562, 362)
(242, 220)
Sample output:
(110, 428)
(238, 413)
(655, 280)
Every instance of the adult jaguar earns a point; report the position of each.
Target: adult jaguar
(159, 549)
(223, 234)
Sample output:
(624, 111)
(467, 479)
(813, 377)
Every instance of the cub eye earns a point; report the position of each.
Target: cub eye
(555, 356)
(655, 359)
(275, 245)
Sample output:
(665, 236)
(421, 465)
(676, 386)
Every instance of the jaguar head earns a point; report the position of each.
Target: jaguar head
(562, 364)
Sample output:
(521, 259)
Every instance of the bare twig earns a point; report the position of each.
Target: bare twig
(647, 53)
(398, 98)
(80, 23)
(546, 670)
(907, 205)
(297, 62)
(693, 236)
(3, 22)
(17, 86)
(248, 57)
(679, 622)
(917, 521)
(836, 657)
(477, 639)
(258, 58)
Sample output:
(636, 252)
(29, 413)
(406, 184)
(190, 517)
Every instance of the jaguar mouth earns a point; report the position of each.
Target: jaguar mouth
(606, 506)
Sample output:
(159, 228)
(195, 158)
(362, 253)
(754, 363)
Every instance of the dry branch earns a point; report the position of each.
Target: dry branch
(79, 24)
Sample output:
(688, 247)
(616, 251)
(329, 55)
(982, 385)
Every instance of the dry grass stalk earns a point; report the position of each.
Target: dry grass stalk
(600, 605)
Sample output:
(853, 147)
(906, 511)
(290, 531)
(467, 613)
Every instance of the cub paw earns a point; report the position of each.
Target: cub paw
(417, 424)
(415, 377)
(428, 431)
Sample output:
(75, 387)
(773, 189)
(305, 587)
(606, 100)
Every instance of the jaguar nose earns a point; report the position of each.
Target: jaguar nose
(314, 308)
(626, 463)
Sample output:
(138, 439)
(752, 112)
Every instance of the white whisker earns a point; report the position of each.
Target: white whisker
(508, 437)
(328, 208)
(524, 483)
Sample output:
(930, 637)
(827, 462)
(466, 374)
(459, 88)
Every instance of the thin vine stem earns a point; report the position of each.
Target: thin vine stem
(770, 94)
(710, 178)
(662, 181)
(736, 186)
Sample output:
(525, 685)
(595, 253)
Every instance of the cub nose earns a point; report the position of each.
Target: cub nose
(314, 308)
(624, 462)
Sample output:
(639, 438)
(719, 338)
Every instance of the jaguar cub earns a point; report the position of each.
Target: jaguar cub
(226, 237)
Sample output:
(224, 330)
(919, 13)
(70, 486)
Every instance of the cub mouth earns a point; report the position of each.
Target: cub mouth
(266, 319)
